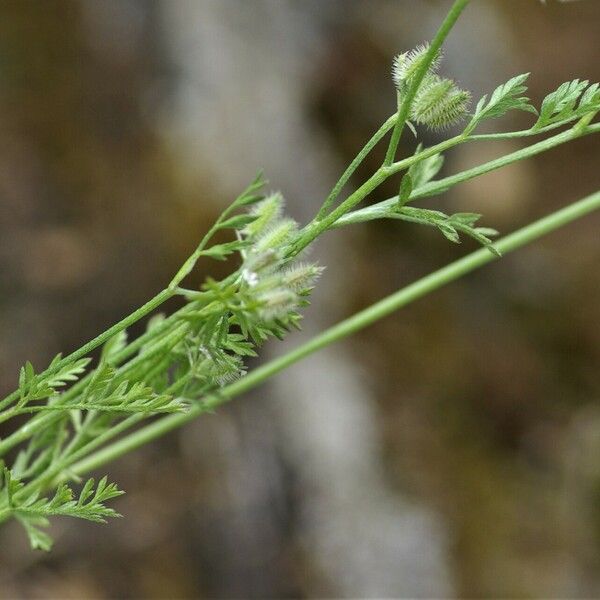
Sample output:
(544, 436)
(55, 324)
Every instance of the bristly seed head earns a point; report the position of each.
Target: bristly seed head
(301, 277)
(277, 303)
(257, 260)
(276, 235)
(250, 277)
(439, 103)
(267, 212)
(405, 65)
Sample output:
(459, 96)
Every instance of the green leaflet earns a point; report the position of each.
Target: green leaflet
(506, 97)
(572, 100)
(33, 512)
(37, 387)
(425, 170)
(451, 226)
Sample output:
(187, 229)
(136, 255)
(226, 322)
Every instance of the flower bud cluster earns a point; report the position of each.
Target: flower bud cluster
(275, 289)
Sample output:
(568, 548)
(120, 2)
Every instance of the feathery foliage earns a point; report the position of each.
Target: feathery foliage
(572, 100)
(33, 512)
(506, 97)
(80, 412)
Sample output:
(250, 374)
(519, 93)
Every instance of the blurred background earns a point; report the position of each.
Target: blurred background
(451, 450)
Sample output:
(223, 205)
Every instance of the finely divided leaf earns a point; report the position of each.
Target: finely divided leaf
(450, 225)
(135, 398)
(222, 251)
(425, 170)
(33, 512)
(251, 194)
(37, 387)
(99, 383)
(67, 374)
(127, 397)
(506, 97)
(562, 104)
(238, 221)
(38, 539)
(113, 346)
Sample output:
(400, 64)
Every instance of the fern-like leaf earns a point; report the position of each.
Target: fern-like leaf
(33, 512)
(37, 387)
(251, 194)
(450, 225)
(425, 170)
(67, 374)
(506, 97)
(572, 99)
(113, 346)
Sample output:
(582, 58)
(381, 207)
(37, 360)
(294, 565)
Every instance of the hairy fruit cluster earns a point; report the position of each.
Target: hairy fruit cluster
(438, 102)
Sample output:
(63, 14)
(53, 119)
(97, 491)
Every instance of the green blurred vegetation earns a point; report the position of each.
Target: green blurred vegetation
(486, 392)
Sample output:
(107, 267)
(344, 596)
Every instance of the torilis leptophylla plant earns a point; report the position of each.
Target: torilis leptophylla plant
(80, 416)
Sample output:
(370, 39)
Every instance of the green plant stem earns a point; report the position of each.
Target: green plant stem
(67, 400)
(338, 218)
(343, 180)
(585, 120)
(405, 105)
(344, 329)
(342, 216)
(316, 227)
(72, 453)
(582, 123)
(135, 316)
(384, 208)
(406, 163)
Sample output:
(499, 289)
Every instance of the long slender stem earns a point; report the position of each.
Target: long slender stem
(342, 216)
(135, 316)
(316, 228)
(336, 219)
(321, 223)
(38, 423)
(343, 180)
(382, 209)
(406, 103)
(582, 124)
(406, 163)
(344, 329)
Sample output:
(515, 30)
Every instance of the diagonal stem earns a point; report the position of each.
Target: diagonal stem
(382, 209)
(343, 180)
(349, 326)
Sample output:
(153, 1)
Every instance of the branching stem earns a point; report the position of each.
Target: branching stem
(344, 329)
(382, 209)
(335, 192)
